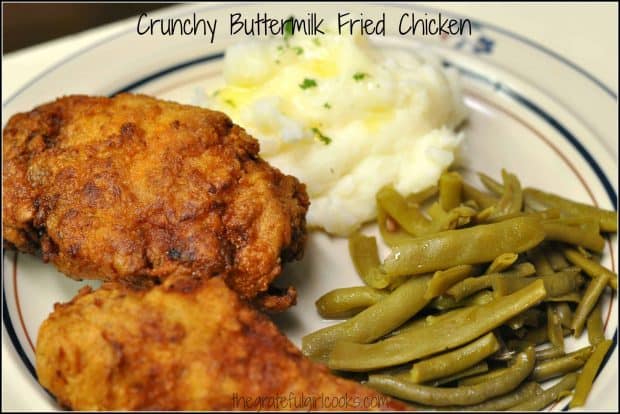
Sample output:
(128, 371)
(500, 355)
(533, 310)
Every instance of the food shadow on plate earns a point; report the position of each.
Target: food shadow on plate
(301, 275)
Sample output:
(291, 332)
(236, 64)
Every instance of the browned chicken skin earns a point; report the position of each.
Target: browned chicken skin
(136, 189)
(187, 344)
(173, 207)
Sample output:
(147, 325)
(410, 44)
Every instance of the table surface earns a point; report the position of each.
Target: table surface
(585, 34)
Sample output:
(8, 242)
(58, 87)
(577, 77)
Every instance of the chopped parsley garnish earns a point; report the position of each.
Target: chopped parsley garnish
(216, 93)
(323, 138)
(288, 28)
(308, 83)
(358, 76)
(280, 48)
(298, 50)
(230, 102)
(316, 41)
(326, 105)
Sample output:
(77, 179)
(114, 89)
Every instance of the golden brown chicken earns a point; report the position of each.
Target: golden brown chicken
(188, 344)
(136, 189)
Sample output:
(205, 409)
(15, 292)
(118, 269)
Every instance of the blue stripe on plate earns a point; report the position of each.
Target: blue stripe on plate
(498, 86)
(10, 330)
(8, 323)
(168, 70)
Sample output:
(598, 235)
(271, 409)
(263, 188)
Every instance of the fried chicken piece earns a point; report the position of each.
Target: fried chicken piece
(137, 189)
(188, 344)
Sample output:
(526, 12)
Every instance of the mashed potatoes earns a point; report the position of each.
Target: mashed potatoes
(345, 117)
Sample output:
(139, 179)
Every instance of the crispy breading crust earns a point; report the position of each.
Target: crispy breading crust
(137, 189)
(188, 344)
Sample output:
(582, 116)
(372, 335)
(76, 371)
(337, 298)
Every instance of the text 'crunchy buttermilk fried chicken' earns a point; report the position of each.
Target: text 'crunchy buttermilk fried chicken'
(136, 189)
(188, 344)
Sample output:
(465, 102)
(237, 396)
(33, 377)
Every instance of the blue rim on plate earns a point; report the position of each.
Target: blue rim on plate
(502, 88)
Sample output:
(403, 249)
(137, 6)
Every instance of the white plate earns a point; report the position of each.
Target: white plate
(531, 112)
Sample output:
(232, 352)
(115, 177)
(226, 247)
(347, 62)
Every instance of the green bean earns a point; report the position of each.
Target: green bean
(378, 280)
(436, 212)
(541, 354)
(415, 326)
(472, 245)
(409, 218)
(391, 238)
(419, 198)
(442, 220)
(490, 184)
(542, 265)
(554, 328)
(586, 377)
(556, 367)
(524, 269)
(550, 213)
(502, 262)
(487, 216)
(564, 313)
(484, 200)
(574, 297)
(479, 298)
(444, 303)
(457, 217)
(557, 284)
(373, 322)
(472, 285)
(471, 204)
(511, 201)
(346, 302)
(488, 376)
(596, 330)
(549, 353)
(466, 395)
(444, 279)
(394, 283)
(568, 230)
(548, 396)
(540, 215)
(479, 368)
(364, 254)
(588, 301)
(525, 392)
(463, 326)
(447, 302)
(585, 253)
(556, 259)
(454, 361)
(450, 189)
(590, 267)
(607, 219)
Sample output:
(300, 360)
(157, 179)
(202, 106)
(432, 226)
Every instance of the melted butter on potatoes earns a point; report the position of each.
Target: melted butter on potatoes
(344, 116)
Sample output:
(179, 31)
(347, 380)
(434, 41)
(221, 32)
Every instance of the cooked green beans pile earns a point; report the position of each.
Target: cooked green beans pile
(471, 308)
